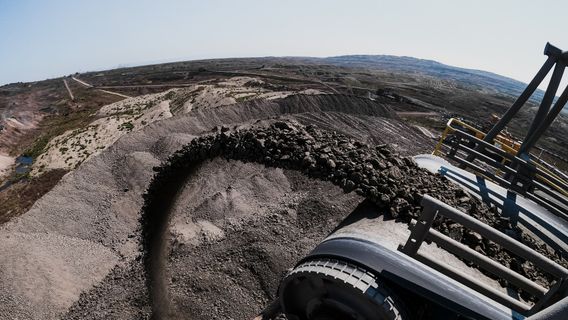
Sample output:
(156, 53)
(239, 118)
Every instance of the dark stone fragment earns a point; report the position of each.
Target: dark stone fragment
(349, 185)
(330, 163)
(356, 177)
(395, 174)
(282, 125)
(409, 162)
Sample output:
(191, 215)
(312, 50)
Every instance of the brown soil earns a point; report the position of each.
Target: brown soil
(43, 109)
(23, 194)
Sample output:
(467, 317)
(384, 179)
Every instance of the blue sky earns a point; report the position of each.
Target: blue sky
(45, 39)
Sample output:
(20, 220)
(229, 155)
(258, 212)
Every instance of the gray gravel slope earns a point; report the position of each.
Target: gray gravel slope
(95, 208)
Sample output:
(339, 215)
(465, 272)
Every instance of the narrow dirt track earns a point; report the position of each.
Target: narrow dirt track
(68, 90)
(130, 86)
(88, 85)
(82, 82)
(115, 93)
(417, 114)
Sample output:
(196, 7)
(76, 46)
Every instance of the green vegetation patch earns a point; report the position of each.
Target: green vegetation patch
(126, 126)
(37, 148)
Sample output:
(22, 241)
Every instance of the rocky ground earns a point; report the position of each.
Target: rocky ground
(73, 131)
(71, 148)
(236, 227)
(393, 183)
(242, 177)
(99, 203)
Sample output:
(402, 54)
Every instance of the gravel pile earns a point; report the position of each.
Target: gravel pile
(100, 202)
(377, 173)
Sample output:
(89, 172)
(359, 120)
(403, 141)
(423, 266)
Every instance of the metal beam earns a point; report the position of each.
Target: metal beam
(554, 55)
(503, 240)
(546, 102)
(420, 230)
(557, 311)
(475, 284)
(522, 99)
(558, 106)
(486, 263)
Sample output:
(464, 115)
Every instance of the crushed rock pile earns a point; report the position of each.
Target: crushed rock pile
(377, 173)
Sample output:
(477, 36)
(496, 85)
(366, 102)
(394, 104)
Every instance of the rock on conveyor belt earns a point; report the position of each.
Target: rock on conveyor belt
(392, 182)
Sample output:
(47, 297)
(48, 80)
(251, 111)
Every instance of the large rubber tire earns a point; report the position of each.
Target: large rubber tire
(329, 289)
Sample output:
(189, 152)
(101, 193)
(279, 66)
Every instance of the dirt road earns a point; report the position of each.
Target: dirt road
(171, 85)
(115, 93)
(426, 132)
(68, 90)
(82, 82)
(105, 91)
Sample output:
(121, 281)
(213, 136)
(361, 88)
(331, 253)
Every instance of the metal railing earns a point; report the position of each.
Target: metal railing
(500, 165)
(508, 145)
(509, 171)
(421, 230)
(507, 149)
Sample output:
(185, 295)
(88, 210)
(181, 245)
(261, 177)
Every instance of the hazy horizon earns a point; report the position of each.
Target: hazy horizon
(177, 60)
(60, 37)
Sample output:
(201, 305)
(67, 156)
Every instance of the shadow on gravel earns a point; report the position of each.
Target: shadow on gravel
(156, 218)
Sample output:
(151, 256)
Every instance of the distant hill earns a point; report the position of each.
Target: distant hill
(478, 79)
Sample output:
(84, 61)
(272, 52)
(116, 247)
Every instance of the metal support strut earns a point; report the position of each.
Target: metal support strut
(544, 116)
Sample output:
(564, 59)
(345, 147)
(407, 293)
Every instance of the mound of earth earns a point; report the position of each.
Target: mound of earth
(393, 183)
(99, 203)
(232, 203)
(69, 149)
